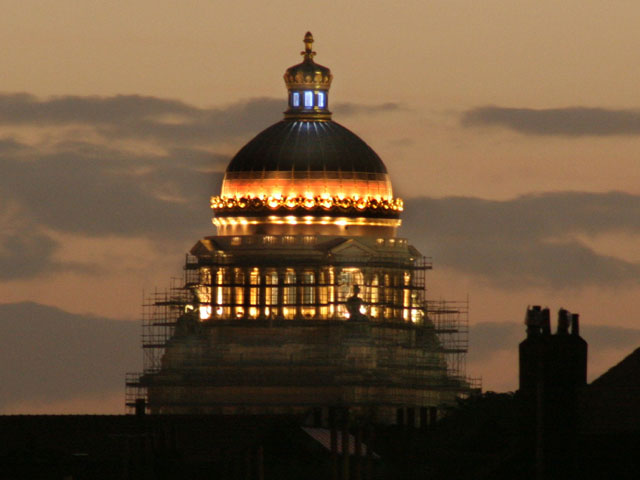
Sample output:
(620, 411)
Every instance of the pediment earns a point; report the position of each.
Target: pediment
(352, 248)
(204, 247)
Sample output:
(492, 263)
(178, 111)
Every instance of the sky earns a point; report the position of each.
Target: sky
(511, 129)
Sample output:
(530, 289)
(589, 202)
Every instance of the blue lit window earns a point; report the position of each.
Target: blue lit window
(308, 99)
(295, 99)
(321, 99)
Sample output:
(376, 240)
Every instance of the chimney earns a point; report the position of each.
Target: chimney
(563, 322)
(546, 322)
(575, 324)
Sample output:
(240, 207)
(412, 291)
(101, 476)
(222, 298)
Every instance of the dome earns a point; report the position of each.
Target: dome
(307, 146)
(306, 169)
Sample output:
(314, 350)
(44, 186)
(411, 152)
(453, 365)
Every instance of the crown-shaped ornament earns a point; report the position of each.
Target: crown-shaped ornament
(308, 74)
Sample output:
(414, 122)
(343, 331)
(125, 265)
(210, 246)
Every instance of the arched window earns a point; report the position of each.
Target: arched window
(321, 99)
(295, 99)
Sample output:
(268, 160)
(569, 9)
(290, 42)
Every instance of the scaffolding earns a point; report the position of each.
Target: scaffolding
(398, 298)
(451, 323)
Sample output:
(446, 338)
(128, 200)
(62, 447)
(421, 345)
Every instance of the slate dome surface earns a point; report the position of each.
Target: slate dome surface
(307, 146)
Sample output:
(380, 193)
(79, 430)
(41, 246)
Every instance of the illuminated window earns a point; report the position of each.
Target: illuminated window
(290, 292)
(308, 290)
(332, 291)
(239, 292)
(321, 99)
(375, 296)
(223, 293)
(295, 99)
(348, 278)
(308, 99)
(271, 290)
(254, 280)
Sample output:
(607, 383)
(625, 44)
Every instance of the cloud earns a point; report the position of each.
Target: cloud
(570, 121)
(49, 355)
(25, 254)
(96, 190)
(532, 240)
(141, 117)
(151, 118)
(348, 108)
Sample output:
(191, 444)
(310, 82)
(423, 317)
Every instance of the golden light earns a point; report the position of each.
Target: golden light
(291, 202)
(205, 312)
(274, 202)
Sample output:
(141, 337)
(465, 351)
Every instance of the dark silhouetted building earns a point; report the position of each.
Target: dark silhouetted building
(553, 374)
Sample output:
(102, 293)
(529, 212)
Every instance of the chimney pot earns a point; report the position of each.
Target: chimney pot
(575, 324)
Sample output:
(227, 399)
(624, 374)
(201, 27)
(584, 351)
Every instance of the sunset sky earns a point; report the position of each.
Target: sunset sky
(511, 129)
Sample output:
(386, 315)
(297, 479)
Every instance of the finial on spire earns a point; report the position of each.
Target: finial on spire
(308, 84)
(308, 49)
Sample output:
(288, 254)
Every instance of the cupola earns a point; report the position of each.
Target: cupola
(308, 85)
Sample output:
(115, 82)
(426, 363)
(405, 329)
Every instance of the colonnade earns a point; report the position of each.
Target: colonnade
(308, 292)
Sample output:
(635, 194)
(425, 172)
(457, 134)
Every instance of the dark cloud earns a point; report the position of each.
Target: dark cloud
(93, 190)
(23, 108)
(150, 118)
(25, 254)
(50, 355)
(347, 108)
(531, 240)
(570, 121)
(139, 117)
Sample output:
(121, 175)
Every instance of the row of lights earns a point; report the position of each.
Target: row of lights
(306, 220)
(291, 202)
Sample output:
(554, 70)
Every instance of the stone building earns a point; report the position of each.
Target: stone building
(305, 300)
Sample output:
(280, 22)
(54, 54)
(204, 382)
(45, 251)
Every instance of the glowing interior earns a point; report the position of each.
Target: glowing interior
(319, 293)
(330, 185)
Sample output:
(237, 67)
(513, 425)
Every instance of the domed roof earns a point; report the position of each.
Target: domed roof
(302, 146)
(306, 173)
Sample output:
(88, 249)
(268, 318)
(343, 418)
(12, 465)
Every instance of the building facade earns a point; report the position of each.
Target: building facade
(305, 299)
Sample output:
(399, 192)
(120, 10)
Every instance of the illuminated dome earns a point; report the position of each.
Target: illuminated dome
(306, 171)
